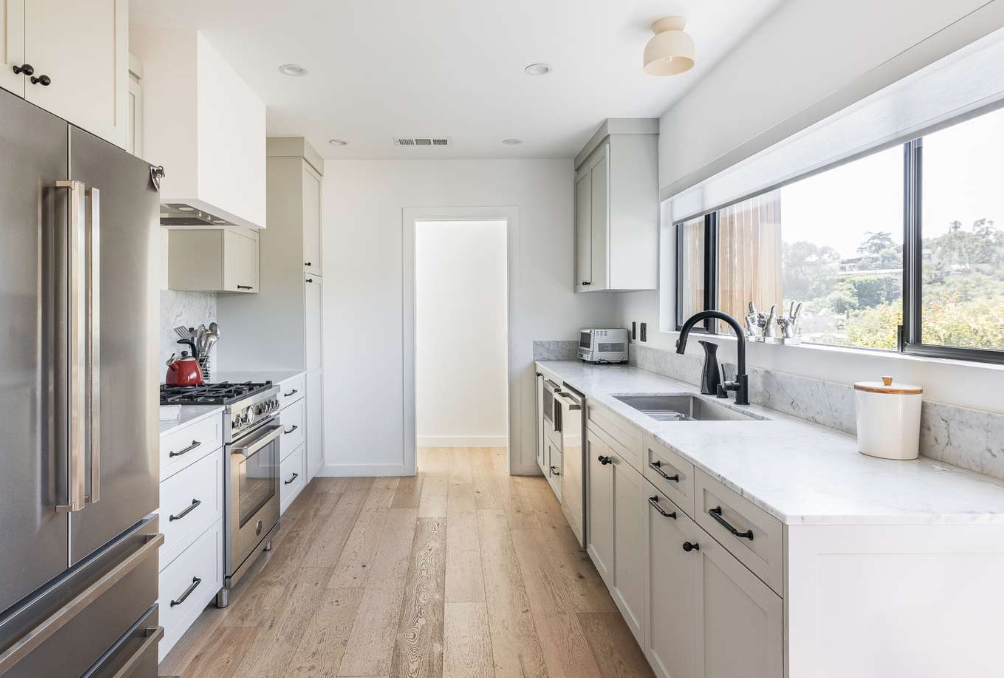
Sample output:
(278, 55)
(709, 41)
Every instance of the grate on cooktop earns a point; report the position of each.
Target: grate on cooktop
(222, 393)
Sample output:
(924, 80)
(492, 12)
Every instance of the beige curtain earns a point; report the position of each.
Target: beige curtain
(749, 255)
(692, 267)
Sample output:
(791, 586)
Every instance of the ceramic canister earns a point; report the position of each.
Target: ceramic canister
(888, 417)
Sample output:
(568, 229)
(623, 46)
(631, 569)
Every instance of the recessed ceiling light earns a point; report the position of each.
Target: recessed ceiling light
(294, 70)
(512, 142)
(537, 69)
(338, 142)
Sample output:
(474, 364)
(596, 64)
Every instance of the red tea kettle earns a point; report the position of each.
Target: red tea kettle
(183, 371)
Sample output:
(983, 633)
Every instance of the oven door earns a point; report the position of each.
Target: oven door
(254, 493)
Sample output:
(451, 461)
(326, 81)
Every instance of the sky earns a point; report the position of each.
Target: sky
(962, 172)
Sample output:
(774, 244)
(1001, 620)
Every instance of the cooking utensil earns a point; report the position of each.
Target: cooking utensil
(182, 332)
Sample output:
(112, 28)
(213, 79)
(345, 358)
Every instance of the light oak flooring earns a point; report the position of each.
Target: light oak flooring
(462, 571)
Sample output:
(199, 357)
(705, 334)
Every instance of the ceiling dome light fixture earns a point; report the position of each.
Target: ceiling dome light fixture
(671, 51)
(338, 142)
(512, 142)
(537, 69)
(294, 70)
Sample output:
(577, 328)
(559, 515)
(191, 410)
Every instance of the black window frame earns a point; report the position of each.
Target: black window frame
(910, 334)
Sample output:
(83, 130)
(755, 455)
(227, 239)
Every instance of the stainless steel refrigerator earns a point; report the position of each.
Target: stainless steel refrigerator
(78, 402)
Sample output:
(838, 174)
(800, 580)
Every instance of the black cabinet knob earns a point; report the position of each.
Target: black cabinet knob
(688, 547)
(42, 80)
(26, 69)
(306, 263)
(604, 460)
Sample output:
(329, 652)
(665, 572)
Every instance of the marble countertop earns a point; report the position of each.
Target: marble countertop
(275, 376)
(799, 472)
(190, 414)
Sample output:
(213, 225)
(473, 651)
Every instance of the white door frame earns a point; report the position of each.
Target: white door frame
(411, 216)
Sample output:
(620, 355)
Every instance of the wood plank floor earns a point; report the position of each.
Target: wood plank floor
(460, 572)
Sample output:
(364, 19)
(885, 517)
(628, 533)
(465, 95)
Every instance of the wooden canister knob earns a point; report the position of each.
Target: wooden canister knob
(887, 381)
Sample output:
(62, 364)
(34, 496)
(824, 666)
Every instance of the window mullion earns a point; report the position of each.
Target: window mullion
(710, 268)
(912, 245)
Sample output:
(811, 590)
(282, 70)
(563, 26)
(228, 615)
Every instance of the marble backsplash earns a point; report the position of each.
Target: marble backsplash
(555, 350)
(971, 439)
(190, 309)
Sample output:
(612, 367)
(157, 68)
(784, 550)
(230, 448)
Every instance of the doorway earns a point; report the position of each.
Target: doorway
(458, 392)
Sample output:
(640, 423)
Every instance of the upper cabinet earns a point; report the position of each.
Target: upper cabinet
(213, 260)
(617, 208)
(206, 126)
(70, 57)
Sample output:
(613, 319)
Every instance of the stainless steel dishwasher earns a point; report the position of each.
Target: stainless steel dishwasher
(566, 470)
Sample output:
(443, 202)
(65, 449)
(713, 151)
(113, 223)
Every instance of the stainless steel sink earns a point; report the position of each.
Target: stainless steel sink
(683, 407)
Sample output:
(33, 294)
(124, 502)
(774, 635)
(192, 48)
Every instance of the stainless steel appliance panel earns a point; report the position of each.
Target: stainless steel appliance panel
(253, 494)
(135, 655)
(69, 626)
(122, 472)
(33, 149)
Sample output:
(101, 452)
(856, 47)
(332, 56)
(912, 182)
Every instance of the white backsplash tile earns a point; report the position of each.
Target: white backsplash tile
(190, 309)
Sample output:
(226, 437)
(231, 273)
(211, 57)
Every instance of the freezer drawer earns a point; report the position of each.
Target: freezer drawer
(135, 655)
(69, 626)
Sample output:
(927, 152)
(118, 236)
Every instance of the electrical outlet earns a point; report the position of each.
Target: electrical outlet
(634, 330)
(644, 332)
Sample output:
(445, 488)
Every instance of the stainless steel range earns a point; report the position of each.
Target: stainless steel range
(251, 488)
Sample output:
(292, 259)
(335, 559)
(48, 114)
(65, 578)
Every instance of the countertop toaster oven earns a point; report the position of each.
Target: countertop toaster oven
(603, 346)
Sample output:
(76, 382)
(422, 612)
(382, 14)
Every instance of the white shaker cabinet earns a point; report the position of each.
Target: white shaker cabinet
(615, 538)
(617, 208)
(312, 256)
(72, 58)
(213, 260)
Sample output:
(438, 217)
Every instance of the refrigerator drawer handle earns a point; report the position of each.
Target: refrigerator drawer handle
(184, 596)
(195, 443)
(66, 613)
(191, 507)
(153, 636)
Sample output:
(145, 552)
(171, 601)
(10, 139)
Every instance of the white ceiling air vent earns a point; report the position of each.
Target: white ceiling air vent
(421, 141)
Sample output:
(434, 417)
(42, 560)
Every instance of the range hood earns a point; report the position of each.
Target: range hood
(204, 124)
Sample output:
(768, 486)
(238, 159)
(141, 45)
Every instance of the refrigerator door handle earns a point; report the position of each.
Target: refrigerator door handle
(94, 340)
(77, 338)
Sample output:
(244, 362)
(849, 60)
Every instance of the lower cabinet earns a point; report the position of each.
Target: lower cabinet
(706, 614)
(188, 584)
(292, 478)
(616, 528)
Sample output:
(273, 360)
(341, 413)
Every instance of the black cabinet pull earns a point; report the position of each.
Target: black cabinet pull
(306, 263)
(291, 479)
(586, 282)
(657, 467)
(310, 280)
(688, 547)
(184, 596)
(245, 287)
(290, 429)
(654, 501)
(191, 507)
(604, 460)
(291, 393)
(553, 472)
(716, 513)
(26, 69)
(42, 80)
(195, 443)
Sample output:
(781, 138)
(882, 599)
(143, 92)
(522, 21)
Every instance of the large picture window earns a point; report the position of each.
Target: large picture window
(898, 250)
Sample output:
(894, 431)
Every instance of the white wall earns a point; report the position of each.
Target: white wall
(461, 334)
(806, 58)
(363, 203)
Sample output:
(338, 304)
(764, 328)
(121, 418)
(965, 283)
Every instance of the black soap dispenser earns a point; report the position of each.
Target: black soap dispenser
(710, 376)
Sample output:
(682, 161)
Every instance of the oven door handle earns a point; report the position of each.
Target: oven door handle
(249, 449)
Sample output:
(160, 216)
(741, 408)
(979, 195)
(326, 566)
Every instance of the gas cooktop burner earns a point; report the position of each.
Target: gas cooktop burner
(223, 393)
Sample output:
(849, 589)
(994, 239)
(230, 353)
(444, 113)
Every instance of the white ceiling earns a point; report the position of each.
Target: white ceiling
(380, 69)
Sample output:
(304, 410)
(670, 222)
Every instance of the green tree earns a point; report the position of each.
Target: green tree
(810, 270)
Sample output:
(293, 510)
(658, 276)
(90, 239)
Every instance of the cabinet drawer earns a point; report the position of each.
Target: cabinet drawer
(626, 439)
(292, 390)
(668, 471)
(749, 533)
(292, 420)
(190, 501)
(197, 571)
(291, 478)
(179, 449)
